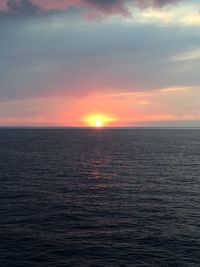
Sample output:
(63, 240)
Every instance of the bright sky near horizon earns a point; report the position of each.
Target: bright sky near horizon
(100, 63)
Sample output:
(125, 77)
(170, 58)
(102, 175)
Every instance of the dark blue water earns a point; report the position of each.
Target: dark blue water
(87, 197)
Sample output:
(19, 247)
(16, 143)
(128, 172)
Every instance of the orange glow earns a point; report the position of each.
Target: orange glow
(98, 120)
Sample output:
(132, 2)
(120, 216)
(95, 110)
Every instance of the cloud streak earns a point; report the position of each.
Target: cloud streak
(189, 55)
(106, 7)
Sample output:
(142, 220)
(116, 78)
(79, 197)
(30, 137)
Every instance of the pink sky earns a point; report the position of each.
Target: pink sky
(136, 62)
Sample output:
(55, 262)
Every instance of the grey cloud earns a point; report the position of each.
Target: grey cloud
(22, 7)
(26, 7)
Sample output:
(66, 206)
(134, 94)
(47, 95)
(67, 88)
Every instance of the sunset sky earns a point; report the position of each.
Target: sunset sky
(131, 62)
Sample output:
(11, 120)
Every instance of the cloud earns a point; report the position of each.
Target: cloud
(192, 19)
(14, 7)
(3, 5)
(100, 6)
(189, 55)
(183, 15)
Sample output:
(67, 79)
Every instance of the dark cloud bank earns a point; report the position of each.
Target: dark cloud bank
(24, 7)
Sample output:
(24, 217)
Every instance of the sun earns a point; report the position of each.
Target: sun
(98, 120)
(98, 123)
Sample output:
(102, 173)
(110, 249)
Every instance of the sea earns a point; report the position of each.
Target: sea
(99, 197)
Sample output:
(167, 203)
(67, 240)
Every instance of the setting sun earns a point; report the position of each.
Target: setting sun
(98, 123)
(98, 120)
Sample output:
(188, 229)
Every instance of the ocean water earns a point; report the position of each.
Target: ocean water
(99, 197)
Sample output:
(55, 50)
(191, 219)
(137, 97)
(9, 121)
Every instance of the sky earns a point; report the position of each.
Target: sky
(129, 63)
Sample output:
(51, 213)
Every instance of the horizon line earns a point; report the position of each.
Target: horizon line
(95, 128)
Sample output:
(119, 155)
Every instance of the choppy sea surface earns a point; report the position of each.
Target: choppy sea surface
(99, 197)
